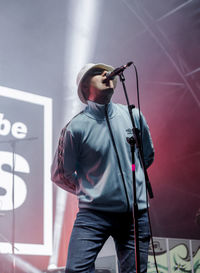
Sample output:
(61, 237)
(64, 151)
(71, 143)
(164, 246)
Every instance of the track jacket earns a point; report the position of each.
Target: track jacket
(86, 164)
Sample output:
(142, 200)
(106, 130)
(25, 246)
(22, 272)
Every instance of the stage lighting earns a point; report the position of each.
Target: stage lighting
(83, 18)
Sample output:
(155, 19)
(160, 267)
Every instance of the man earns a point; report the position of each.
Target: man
(93, 161)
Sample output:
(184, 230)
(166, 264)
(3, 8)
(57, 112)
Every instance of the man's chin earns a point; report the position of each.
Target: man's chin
(109, 89)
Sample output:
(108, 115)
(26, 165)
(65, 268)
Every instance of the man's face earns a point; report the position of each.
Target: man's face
(95, 89)
(96, 80)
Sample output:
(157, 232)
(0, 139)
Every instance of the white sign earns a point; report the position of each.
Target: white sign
(20, 112)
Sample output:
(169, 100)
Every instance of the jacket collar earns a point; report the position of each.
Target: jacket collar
(97, 111)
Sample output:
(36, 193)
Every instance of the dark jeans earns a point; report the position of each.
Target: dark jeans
(91, 230)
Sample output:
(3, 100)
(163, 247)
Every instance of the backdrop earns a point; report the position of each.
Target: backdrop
(45, 43)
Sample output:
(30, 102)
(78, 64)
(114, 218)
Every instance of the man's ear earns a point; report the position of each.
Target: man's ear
(85, 90)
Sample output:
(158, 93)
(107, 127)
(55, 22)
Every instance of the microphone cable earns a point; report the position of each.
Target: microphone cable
(142, 154)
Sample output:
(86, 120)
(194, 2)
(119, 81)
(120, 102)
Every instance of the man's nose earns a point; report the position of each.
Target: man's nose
(104, 73)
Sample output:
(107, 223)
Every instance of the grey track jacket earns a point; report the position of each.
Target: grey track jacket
(86, 164)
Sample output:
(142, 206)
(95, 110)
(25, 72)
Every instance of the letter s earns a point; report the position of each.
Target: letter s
(21, 165)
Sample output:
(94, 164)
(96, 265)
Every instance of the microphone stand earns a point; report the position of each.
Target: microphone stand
(13, 146)
(134, 141)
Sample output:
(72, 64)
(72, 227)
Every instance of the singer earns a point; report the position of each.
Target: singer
(93, 161)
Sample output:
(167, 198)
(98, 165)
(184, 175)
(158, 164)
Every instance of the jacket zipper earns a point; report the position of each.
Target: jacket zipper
(118, 160)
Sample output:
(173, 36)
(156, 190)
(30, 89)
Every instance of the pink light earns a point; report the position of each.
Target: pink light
(133, 167)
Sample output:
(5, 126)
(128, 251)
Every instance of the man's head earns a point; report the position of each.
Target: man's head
(91, 86)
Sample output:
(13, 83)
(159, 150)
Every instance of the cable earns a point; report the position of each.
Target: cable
(142, 154)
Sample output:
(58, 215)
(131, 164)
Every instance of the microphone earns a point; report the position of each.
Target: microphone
(112, 74)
